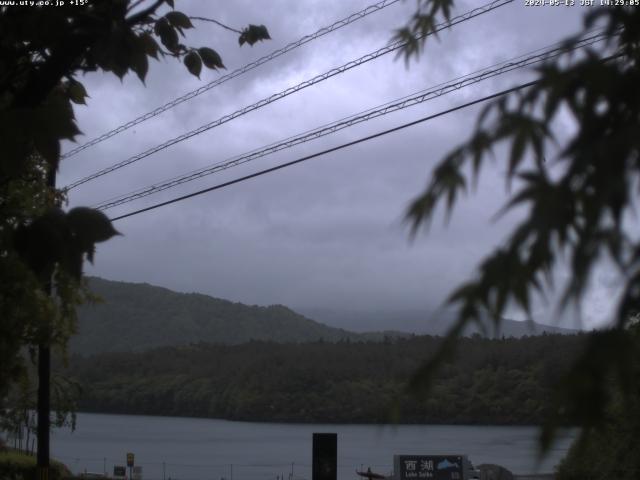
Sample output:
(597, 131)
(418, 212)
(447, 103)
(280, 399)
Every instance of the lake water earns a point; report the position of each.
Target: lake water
(195, 448)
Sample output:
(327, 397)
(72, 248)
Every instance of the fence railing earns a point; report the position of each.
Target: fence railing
(172, 470)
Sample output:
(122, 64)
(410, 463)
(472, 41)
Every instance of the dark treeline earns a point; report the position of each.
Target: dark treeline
(501, 381)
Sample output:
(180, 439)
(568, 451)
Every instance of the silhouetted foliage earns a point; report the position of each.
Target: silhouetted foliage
(16, 466)
(611, 450)
(579, 200)
(42, 52)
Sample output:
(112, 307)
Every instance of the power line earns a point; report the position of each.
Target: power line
(342, 146)
(516, 63)
(284, 93)
(236, 73)
(329, 150)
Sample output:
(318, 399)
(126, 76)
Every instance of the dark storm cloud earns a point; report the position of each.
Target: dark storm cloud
(329, 232)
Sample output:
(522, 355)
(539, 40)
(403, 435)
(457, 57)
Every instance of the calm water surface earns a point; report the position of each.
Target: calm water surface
(194, 448)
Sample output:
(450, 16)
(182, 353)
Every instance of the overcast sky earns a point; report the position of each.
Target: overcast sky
(328, 232)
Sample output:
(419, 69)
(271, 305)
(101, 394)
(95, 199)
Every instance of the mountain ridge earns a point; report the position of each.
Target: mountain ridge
(139, 316)
(147, 316)
(419, 322)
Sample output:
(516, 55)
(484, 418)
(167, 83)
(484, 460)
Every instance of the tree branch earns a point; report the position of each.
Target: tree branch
(134, 19)
(204, 19)
(134, 5)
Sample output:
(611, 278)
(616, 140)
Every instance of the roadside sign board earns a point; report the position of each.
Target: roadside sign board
(129, 459)
(429, 467)
(325, 456)
(119, 471)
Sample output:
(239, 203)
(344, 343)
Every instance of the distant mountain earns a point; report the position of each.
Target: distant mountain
(418, 322)
(136, 317)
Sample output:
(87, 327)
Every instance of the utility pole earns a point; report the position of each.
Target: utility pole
(44, 378)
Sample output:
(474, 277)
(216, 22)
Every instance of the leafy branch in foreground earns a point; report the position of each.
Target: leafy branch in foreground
(422, 22)
(579, 203)
(42, 51)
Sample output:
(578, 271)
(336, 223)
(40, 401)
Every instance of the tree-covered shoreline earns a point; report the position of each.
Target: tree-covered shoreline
(489, 381)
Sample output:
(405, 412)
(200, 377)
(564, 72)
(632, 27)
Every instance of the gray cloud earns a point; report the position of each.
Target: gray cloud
(329, 232)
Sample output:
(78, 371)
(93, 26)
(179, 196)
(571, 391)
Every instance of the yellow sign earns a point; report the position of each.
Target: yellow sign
(129, 459)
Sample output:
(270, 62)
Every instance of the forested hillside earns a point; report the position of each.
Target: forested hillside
(504, 381)
(138, 316)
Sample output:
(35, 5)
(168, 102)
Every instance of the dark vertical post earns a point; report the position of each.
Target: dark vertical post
(325, 456)
(44, 381)
(44, 400)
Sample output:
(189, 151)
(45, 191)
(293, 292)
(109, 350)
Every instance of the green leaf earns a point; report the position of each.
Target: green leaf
(116, 50)
(193, 63)
(253, 34)
(421, 210)
(478, 146)
(517, 151)
(151, 47)
(210, 58)
(453, 181)
(138, 59)
(77, 92)
(179, 20)
(168, 35)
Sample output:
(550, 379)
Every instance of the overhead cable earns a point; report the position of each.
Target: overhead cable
(325, 152)
(342, 146)
(516, 63)
(236, 73)
(284, 93)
